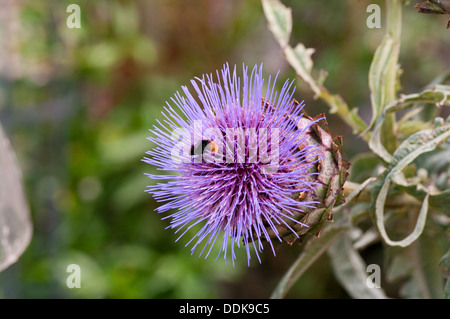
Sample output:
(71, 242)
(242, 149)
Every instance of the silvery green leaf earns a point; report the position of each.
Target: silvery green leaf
(425, 258)
(300, 59)
(375, 143)
(439, 199)
(363, 167)
(383, 72)
(280, 20)
(351, 271)
(15, 224)
(417, 144)
(434, 6)
(366, 239)
(313, 250)
(445, 261)
(383, 81)
(439, 95)
(377, 76)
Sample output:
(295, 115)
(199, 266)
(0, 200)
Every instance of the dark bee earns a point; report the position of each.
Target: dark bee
(204, 146)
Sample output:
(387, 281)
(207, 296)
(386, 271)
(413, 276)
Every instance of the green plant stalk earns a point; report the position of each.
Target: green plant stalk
(315, 248)
(394, 29)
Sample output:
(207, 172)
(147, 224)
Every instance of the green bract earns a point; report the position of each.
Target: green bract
(329, 172)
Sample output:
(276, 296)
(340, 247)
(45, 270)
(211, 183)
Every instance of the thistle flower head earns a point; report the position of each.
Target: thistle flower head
(236, 160)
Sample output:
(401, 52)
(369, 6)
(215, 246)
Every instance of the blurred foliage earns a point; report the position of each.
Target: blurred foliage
(77, 103)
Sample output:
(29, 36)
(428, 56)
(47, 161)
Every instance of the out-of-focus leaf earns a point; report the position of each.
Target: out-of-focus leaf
(15, 224)
(438, 199)
(103, 55)
(280, 20)
(126, 19)
(280, 23)
(381, 63)
(437, 160)
(366, 239)
(441, 78)
(441, 200)
(313, 250)
(350, 270)
(379, 214)
(128, 194)
(445, 266)
(117, 151)
(426, 273)
(417, 263)
(417, 144)
(363, 166)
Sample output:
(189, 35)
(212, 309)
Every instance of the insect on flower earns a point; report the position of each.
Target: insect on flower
(242, 162)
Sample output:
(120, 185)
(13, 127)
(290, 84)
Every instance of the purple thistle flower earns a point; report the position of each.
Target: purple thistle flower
(214, 154)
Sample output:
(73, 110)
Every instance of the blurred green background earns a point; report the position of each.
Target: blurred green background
(77, 104)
